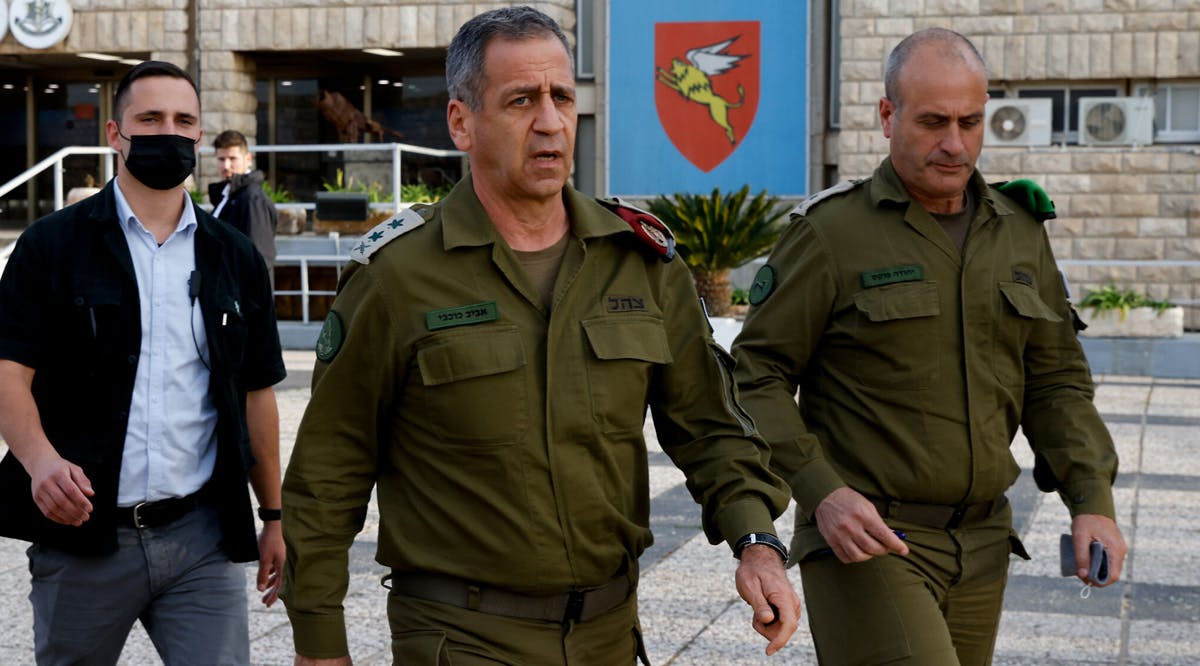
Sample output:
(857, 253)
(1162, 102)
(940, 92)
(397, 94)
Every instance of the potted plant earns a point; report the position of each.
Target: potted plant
(346, 189)
(716, 233)
(291, 218)
(1110, 312)
(422, 193)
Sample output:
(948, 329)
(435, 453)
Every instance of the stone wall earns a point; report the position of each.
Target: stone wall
(230, 27)
(1113, 203)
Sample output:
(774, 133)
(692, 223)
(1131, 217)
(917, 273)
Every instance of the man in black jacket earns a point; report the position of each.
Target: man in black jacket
(239, 198)
(138, 349)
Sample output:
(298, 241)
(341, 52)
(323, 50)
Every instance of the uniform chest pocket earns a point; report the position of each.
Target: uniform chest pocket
(626, 349)
(473, 387)
(1023, 309)
(896, 335)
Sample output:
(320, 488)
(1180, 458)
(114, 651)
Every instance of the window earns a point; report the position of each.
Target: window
(1177, 112)
(585, 33)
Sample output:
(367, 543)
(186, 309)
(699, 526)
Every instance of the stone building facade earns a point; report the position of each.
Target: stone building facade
(1128, 203)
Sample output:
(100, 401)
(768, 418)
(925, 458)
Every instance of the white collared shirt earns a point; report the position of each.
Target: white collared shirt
(170, 444)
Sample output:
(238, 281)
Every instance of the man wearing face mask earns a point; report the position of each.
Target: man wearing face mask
(138, 349)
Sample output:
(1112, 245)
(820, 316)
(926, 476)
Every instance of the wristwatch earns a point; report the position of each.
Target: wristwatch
(760, 538)
(267, 515)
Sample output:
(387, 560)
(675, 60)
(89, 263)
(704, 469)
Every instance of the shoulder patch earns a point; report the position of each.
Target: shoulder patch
(764, 284)
(385, 232)
(333, 333)
(1030, 196)
(844, 186)
(645, 225)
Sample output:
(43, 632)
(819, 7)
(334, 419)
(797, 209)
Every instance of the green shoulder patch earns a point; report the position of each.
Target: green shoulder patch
(1030, 196)
(333, 333)
(910, 273)
(385, 232)
(764, 284)
(844, 186)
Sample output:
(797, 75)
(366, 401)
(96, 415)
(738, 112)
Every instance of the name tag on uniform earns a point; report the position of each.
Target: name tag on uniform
(464, 315)
(884, 276)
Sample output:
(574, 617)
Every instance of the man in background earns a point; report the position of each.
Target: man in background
(239, 198)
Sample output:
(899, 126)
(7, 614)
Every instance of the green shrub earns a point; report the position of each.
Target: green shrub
(1122, 300)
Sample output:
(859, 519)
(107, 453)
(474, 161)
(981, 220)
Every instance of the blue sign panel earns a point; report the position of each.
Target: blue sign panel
(707, 93)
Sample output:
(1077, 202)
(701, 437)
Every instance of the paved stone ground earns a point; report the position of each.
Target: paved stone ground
(691, 613)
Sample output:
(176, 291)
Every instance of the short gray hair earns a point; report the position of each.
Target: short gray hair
(948, 39)
(464, 58)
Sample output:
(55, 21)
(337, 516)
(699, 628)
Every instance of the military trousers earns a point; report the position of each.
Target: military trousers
(938, 606)
(429, 633)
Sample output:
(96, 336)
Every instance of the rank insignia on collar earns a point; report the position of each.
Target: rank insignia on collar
(383, 233)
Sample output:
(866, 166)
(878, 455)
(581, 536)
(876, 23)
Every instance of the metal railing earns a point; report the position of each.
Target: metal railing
(56, 161)
(303, 260)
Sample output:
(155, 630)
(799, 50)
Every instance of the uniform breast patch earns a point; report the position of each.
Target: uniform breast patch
(463, 315)
(1022, 277)
(625, 304)
(910, 273)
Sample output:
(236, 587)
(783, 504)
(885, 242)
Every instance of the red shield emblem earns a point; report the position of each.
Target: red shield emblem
(706, 86)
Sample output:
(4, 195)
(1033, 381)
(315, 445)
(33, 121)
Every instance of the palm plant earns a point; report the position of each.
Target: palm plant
(717, 233)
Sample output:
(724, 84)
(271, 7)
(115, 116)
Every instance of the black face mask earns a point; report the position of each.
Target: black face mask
(160, 161)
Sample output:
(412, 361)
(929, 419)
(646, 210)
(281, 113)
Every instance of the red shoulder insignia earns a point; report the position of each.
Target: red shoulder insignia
(645, 226)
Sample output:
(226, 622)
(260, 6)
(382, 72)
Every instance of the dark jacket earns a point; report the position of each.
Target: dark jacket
(69, 309)
(249, 210)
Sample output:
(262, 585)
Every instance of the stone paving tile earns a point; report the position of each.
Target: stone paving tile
(1171, 450)
(1040, 638)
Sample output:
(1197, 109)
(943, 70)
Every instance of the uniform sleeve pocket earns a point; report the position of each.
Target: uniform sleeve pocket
(1026, 301)
(899, 301)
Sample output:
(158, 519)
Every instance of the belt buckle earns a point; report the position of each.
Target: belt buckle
(137, 517)
(574, 610)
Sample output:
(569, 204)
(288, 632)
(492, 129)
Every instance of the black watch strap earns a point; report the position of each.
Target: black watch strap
(266, 515)
(763, 539)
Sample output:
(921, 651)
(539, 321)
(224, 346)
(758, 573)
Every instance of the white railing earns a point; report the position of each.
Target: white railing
(304, 261)
(56, 161)
(397, 149)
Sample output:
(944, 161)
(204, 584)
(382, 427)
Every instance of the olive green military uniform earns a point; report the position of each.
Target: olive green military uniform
(915, 364)
(505, 438)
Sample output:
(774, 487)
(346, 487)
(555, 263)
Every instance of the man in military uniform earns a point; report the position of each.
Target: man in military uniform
(921, 314)
(487, 365)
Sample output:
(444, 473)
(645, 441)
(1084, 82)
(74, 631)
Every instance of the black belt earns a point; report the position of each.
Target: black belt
(937, 516)
(577, 605)
(156, 514)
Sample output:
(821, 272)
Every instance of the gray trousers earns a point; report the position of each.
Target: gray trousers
(175, 579)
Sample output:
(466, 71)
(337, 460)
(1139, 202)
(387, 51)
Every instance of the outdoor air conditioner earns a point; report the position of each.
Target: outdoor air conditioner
(1116, 121)
(1017, 122)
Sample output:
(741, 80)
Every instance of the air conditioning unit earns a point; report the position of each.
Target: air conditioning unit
(1017, 122)
(1116, 121)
